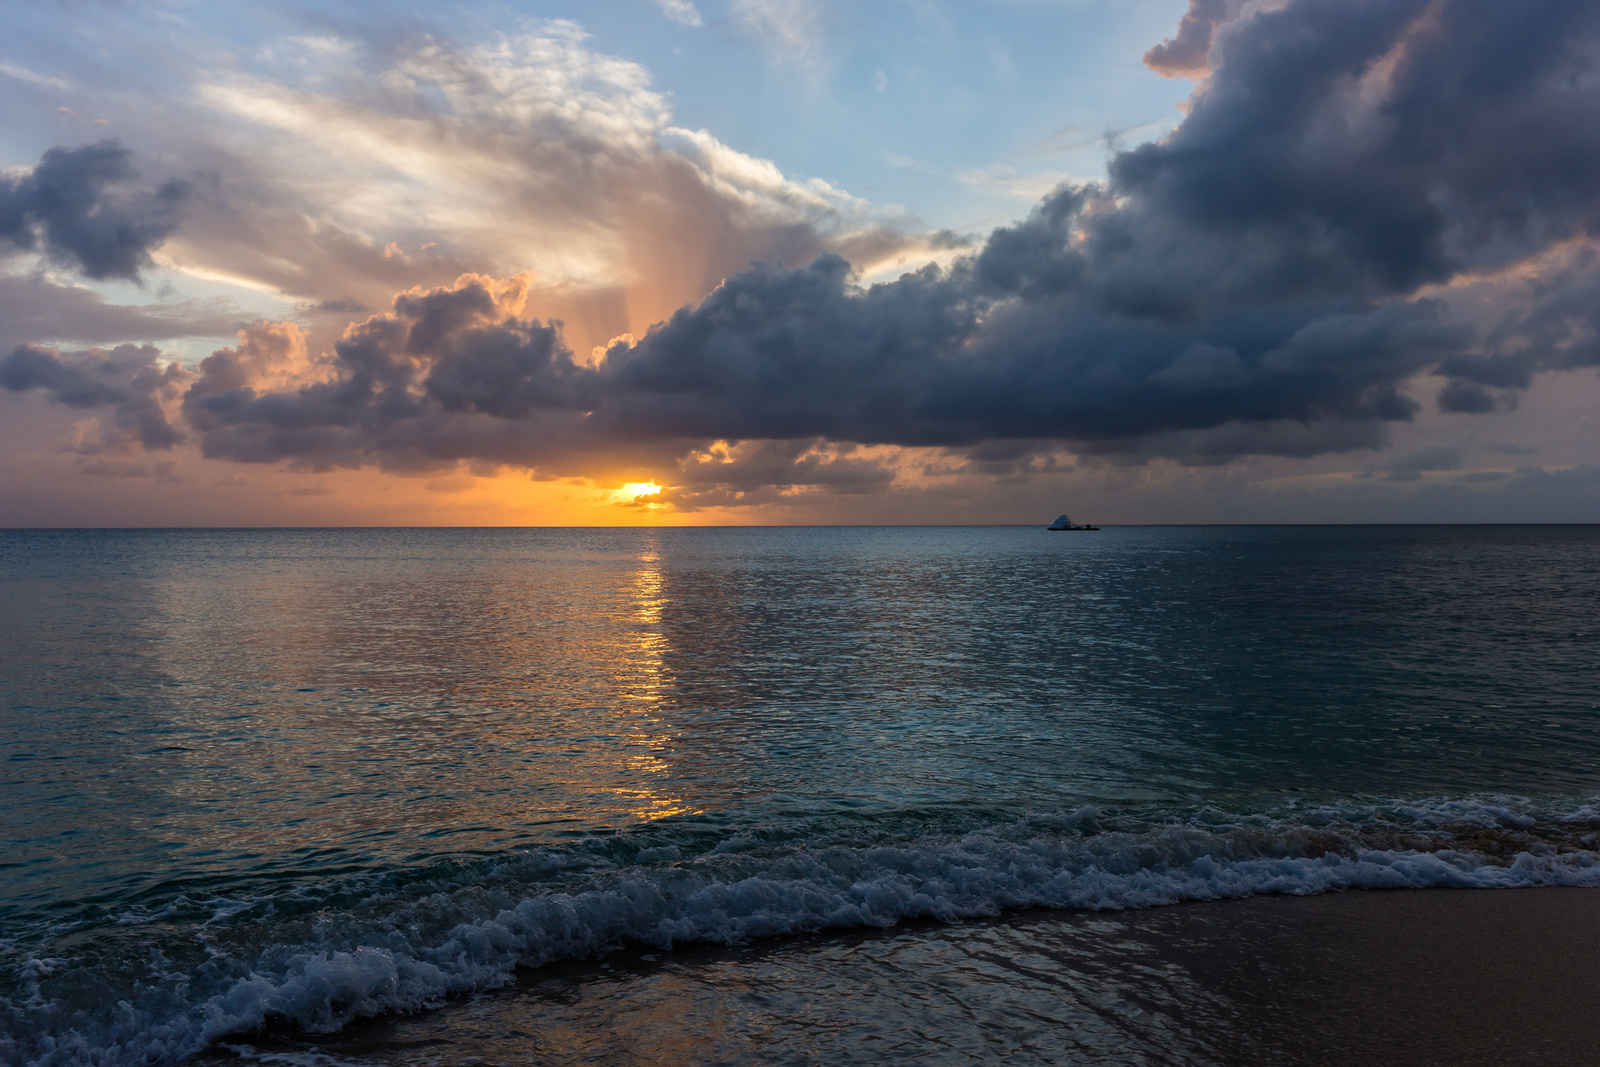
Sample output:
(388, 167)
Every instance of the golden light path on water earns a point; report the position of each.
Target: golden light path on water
(505, 700)
(643, 687)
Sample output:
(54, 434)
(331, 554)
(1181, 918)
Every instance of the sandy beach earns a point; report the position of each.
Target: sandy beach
(1446, 977)
(1433, 977)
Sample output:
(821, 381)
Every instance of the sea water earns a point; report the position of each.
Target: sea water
(261, 786)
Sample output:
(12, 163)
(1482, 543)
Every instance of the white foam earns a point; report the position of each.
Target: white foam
(739, 889)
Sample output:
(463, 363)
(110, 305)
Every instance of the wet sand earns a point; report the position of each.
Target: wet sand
(1460, 977)
(1448, 977)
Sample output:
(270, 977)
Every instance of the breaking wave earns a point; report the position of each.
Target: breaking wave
(158, 981)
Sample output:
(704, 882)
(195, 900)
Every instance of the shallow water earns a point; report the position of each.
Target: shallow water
(1474, 978)
(306, 777)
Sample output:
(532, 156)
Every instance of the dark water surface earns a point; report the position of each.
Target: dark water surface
(301, 778)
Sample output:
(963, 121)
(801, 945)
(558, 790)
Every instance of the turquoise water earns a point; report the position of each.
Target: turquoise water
(296, 778)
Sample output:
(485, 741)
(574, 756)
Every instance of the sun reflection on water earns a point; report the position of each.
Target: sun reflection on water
(467, 704)
(643, 688)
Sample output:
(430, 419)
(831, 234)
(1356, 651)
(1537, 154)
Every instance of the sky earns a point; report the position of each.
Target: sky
(647, 262)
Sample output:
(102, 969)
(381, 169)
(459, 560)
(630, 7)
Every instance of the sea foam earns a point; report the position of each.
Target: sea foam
(179, 977)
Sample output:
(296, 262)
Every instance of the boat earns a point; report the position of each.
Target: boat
(1064, 523)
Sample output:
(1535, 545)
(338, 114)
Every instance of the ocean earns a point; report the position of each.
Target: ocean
(797, 795)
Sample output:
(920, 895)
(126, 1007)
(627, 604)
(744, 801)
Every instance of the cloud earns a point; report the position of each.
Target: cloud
(348, 177)
(450, 374)
(66, 207)
(32, 77)
(1002, 179)
(1362, 148)
(680, 11)
(1553, 324)
(768, 472)
(1530, 481)
(1411, 466)
(35, 309)
(457, 373)
(1269, 279)
(1185, 54)
(792, 30)
(129, 379)
(933, 360)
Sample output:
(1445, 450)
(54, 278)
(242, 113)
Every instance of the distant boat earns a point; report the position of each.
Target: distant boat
(1064, 523)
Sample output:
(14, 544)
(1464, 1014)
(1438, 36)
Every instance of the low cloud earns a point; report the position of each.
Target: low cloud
(75, 207)
(1555, 325)
(457, 373)
(129, 380)
(450, 374)
(1411, 466)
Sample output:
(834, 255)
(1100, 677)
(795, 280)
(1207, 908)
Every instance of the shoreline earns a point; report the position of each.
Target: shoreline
(1460, 977)
(1456, 977)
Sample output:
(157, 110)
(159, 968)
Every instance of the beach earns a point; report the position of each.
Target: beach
(1447, 977)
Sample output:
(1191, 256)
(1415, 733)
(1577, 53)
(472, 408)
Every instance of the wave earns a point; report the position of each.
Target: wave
(186, 973)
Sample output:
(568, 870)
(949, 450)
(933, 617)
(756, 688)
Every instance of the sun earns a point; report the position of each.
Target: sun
(634, 490)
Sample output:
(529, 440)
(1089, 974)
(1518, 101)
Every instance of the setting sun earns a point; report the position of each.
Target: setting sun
(632, 491)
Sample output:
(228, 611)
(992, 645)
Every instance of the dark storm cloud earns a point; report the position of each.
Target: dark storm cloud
(67, 208)
(777, 353)
(1255, 269)
(1557, 329)
(1361, 148)
(1003, 460)
(1250, 285)
(129, 379)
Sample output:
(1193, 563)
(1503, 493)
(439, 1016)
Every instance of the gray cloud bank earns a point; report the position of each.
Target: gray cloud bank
(1266, 280)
